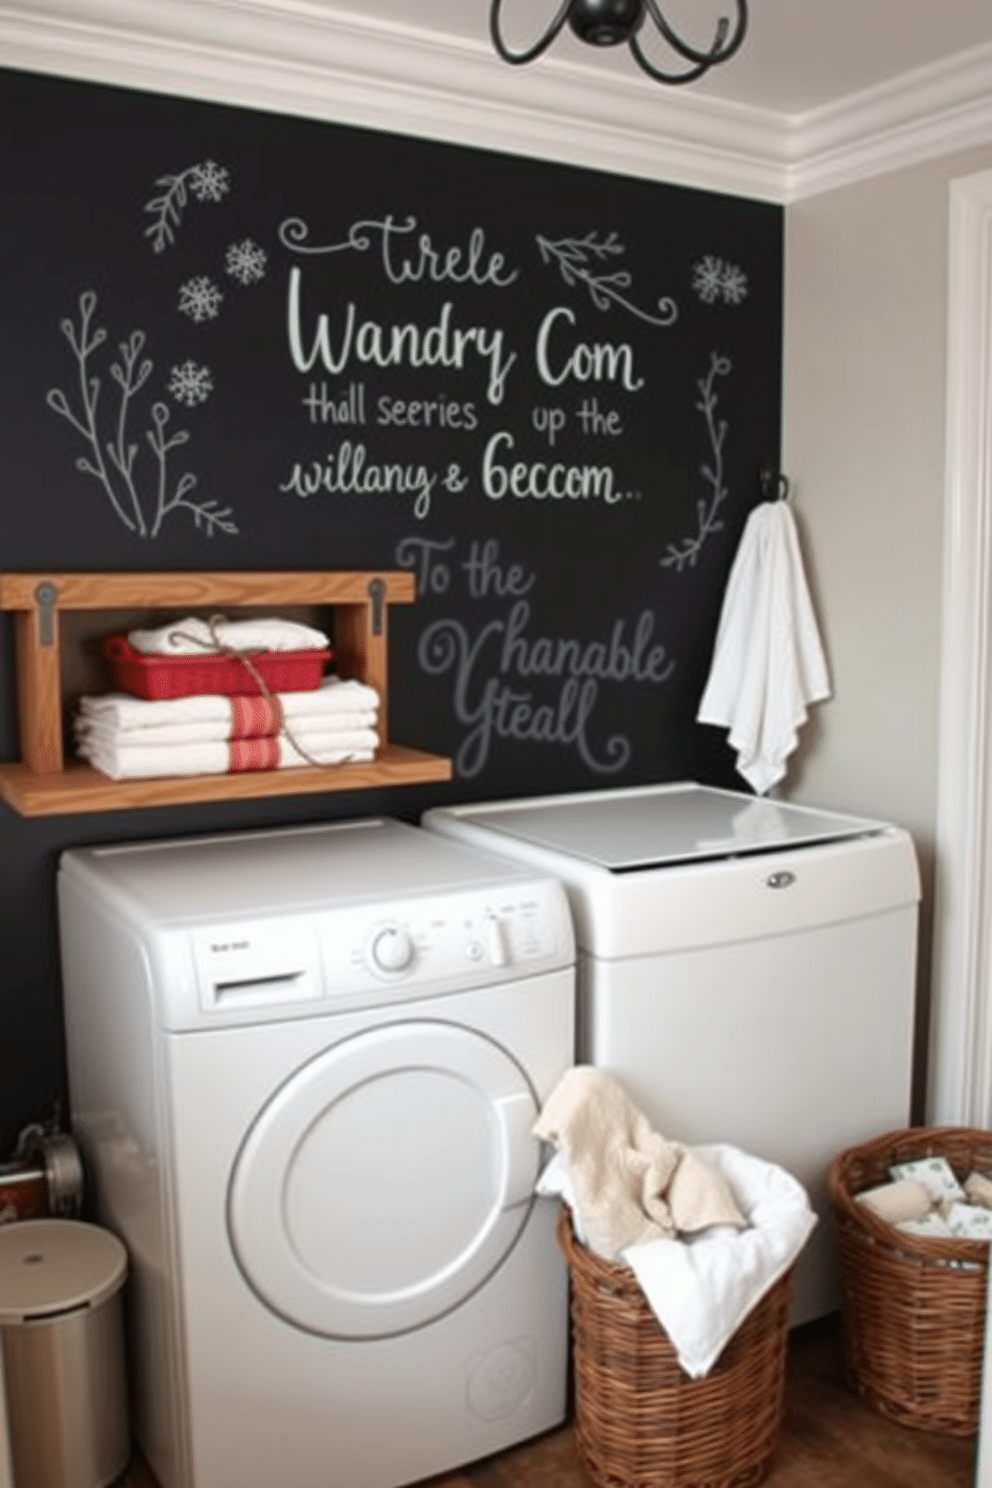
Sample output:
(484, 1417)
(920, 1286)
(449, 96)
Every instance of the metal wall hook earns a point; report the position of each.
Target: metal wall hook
(774, 485)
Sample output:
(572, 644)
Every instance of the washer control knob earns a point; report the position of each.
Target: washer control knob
(495, 940)
(392, 949)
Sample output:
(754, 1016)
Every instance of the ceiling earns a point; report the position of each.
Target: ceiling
(820, 94)
(799, 54)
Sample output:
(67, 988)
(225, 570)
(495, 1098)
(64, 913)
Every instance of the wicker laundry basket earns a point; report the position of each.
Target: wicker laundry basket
(913, 1307)
(640, 1421)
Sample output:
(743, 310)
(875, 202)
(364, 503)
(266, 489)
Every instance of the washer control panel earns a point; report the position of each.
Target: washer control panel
(288, 965)
(475, 935)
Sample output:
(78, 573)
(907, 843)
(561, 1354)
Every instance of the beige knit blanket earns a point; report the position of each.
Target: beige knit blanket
(629, 1184)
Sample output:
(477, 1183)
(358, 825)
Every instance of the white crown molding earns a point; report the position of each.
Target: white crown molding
(934, 111)
(304, 58)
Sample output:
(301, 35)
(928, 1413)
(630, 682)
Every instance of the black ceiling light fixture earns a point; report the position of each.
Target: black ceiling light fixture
(610, 22)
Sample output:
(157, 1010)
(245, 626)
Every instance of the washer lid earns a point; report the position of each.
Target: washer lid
(385, 1181)
(627, 830)
(50, 1266)
(288, 870)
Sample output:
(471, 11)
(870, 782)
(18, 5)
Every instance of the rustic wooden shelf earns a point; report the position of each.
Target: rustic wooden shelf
(43, 784)
(80, 788)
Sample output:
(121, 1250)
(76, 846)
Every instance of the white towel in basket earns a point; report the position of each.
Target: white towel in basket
(703, 1287)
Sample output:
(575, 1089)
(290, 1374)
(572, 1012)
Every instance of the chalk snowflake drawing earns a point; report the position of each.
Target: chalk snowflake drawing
(585, 261)
(684, 555)
(246, 262)
(200, 298)
(190, 384)
(714, 279)
(734, 284)
(206, 182)
(113, 460)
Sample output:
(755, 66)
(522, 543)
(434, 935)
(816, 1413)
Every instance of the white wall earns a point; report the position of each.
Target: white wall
(865, 323)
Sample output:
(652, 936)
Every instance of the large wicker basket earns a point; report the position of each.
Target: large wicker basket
(913, 1307)
(640, 1421)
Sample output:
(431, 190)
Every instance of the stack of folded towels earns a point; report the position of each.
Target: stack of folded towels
(128, 737)
(925, 1198)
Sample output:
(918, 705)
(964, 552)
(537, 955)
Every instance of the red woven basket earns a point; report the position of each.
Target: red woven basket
(158, 677)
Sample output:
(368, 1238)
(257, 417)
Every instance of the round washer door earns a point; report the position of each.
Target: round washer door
(385, 1180)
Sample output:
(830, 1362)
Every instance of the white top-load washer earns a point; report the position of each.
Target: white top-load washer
(304, 1065)
(746, 968)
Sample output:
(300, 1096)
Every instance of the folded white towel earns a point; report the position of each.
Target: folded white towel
(768, 663)
(195, 637)
(204, 730)
(148, 761)
(334, 697)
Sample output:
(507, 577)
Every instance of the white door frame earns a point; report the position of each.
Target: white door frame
(960, 1084)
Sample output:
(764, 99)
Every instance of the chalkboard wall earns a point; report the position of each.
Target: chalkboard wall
(233, 340)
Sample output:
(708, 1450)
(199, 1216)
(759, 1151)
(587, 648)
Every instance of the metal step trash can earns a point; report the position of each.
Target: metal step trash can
(62, 1334)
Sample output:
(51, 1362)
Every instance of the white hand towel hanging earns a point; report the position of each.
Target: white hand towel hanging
(768, 663)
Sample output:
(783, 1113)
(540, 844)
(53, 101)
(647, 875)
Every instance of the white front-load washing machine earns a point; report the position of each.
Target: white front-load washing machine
(304, 1065)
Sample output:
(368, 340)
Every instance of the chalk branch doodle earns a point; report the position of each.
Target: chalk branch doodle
(143, 494)
(585, 260)
(684, 555)
(113, 459)
(207, 182)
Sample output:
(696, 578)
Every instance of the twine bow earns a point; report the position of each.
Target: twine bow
(221, 648)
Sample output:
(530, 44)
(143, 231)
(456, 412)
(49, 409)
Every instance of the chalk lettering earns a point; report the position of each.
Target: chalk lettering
(421, 554)
(597, 421)
(494, 710)
(429, 413)
(348, 472)
(600, 361)
(440, 345)
(453, 478)
(332, 406)
(542, 480)
(486, 575)
(450, 265)
(556, 657)
(549, 421)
